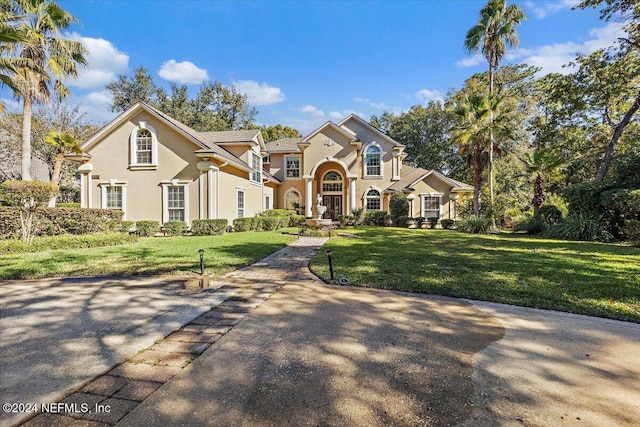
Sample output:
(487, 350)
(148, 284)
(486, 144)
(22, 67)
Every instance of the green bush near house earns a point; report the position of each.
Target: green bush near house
(208, 227)
(126, 226)
(66, 242)
(347, 220)
(174, 228)
(242, 224)
(56, 221)
(398, 205)
(278, 212)
(147, 228)
(67, 205)
(433, 221)
(373, 218)
(296, 220)
(447, 224)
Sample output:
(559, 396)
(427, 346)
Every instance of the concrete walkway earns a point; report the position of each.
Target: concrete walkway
(284, 348)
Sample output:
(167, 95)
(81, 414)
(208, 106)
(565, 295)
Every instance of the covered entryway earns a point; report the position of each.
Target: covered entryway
(332, 190)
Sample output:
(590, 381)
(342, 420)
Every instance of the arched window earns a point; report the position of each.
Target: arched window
(373, 201)
(292, 199)
(332, 181)
(373, 161)
(143, 147)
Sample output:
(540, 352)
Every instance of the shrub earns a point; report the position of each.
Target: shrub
(580, 227)
(55, 221)
(433, 221)
(279, 212)
(66, 242)
(27, 197)
(447, 224)
(631, 230)
(359, 216)
(126, 226)
(550, 214)
(174, 228)
(420, 220)
(398, 205)
(531, 225)
(474, 224)
(256, 223)
(373, 218)
(347, 220)
(147, 228)
(208, 227)
(67, 205)
(296, 220)
(242, 224)
(401, 221)
(270, 223)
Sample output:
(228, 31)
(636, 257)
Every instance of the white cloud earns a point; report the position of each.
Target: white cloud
(426, 95)
(259, 94)
(470, 62)
(377, 105)
(313, 111)
(104, 60)
(543, 9)
(551, 58)
(184, 72)
(11, 105)
(96, 106)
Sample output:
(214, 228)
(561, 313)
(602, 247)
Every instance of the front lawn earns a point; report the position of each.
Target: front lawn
(150, 255)
(589, 278)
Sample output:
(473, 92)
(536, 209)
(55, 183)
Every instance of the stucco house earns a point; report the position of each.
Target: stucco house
(151, 166)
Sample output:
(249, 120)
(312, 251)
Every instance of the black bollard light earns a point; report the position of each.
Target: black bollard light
(201, 252)
(330, 264)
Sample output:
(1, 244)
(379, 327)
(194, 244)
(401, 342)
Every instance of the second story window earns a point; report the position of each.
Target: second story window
(292, 167)
(373, 161)
(256, 168)
(143, 147)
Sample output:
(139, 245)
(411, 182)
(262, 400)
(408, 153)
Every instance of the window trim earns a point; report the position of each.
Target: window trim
(423, 198)
(286, 168)
(165, 199)
(104, 186)
(240, 211)
(323, 181)
(133, 148)
(380, 154)
(366, 197)
(255, 158)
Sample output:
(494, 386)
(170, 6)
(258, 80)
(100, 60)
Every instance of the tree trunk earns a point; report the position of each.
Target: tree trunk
(26, 138)
(617, 133)
(477, 180)
(538, 194)
(55, 176)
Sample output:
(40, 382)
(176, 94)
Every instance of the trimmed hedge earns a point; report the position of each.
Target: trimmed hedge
(174, 228)
(374, 218)
(242, 224)
(68, 241)
(447, 224)
(56, 221)
(261, 223)
(279, 212)
(208, 227)
(147, 228)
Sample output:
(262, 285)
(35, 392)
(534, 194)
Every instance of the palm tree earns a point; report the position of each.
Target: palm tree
(476, 115)
(40, 22)
(543, 164)
(494, 30)
(63, 144)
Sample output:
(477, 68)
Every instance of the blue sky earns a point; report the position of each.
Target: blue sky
(303, 63)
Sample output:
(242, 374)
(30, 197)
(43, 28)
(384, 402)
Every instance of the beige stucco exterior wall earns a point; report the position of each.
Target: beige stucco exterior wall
(432, 185)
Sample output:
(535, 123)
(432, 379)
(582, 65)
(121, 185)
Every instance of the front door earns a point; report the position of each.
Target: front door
(334, 206)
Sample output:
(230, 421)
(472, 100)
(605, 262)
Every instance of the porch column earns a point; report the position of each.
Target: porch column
(201, 196)
(308, 197)
(85, 185)
(352, 194)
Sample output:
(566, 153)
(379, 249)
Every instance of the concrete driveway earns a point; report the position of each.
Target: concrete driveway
(57, 334)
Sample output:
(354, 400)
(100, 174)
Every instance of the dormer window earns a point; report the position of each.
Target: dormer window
(373, 160)
(143, 147)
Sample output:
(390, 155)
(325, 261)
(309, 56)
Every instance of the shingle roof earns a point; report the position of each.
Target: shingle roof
(221, 137)
(284, 144)
(409, 175)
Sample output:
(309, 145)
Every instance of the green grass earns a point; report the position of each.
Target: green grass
(579, 277)
(150, 255)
